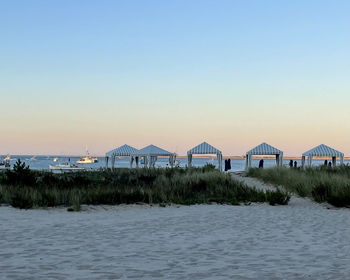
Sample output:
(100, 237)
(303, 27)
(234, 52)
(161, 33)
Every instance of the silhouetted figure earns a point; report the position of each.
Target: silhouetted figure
(329, 164)
(290, 163)
(226, 165)
(295, 164)
(325, 162)
(229, 164)
(261, 163)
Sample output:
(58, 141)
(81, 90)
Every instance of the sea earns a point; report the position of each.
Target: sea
(237, 164)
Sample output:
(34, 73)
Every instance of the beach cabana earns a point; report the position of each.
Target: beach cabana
(263, 149)
(322, 151)
(122, 151)
(204, 149)
(150, 155)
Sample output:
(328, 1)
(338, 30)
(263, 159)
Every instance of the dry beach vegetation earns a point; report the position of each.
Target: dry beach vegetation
(322, 183)
(25, 188)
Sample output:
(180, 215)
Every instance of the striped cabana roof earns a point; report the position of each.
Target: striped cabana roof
(264, 149)
(204, 148)
(152, 150)
(124, 150)
(323, 151)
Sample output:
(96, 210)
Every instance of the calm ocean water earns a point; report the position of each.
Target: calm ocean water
(43, 162)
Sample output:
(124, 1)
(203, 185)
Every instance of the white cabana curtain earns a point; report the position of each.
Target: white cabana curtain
(219, 157)
(279, 159)
(131, 161)
(189, 160)
(172, 160)
(113, 161)
(152, 161)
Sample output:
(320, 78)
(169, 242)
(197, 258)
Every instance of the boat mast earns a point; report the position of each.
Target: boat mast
(86, 149)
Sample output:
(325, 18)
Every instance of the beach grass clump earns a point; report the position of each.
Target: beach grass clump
(20, 199)
(75, 201)
(278, 197)
(323, 184)
(184, 186)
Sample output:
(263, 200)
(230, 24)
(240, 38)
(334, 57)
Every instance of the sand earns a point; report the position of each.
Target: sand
(298, 241)
(252, 182)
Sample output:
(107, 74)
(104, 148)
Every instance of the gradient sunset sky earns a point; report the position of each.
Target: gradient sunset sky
(174, 74)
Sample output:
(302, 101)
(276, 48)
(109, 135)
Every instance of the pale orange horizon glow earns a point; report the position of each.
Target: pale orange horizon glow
(66, 129)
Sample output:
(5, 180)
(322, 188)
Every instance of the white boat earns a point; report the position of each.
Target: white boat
(87, 159)
(5, 164)
(55, 159)
(66, 166)
(33, 158)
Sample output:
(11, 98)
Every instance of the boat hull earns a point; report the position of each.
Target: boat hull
(65, 168)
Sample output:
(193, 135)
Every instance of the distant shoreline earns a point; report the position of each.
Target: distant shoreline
(178, 156)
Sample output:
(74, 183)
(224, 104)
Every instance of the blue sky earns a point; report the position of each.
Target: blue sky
(174, 73)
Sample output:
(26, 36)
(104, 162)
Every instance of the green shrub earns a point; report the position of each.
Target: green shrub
(20, 175)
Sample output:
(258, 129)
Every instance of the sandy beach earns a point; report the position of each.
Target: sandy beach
(298, 241)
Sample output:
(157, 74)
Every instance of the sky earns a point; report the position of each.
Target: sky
(174, 74)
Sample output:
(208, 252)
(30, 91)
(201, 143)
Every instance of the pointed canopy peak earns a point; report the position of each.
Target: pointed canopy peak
(264, 149)
(323, 151)
(152, 150)
(204, 148)
(124, 150)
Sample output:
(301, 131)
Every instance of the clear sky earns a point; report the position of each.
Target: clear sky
(174, 73)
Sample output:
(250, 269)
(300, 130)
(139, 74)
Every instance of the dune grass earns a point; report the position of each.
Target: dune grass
(323, 184)
(24, 188)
